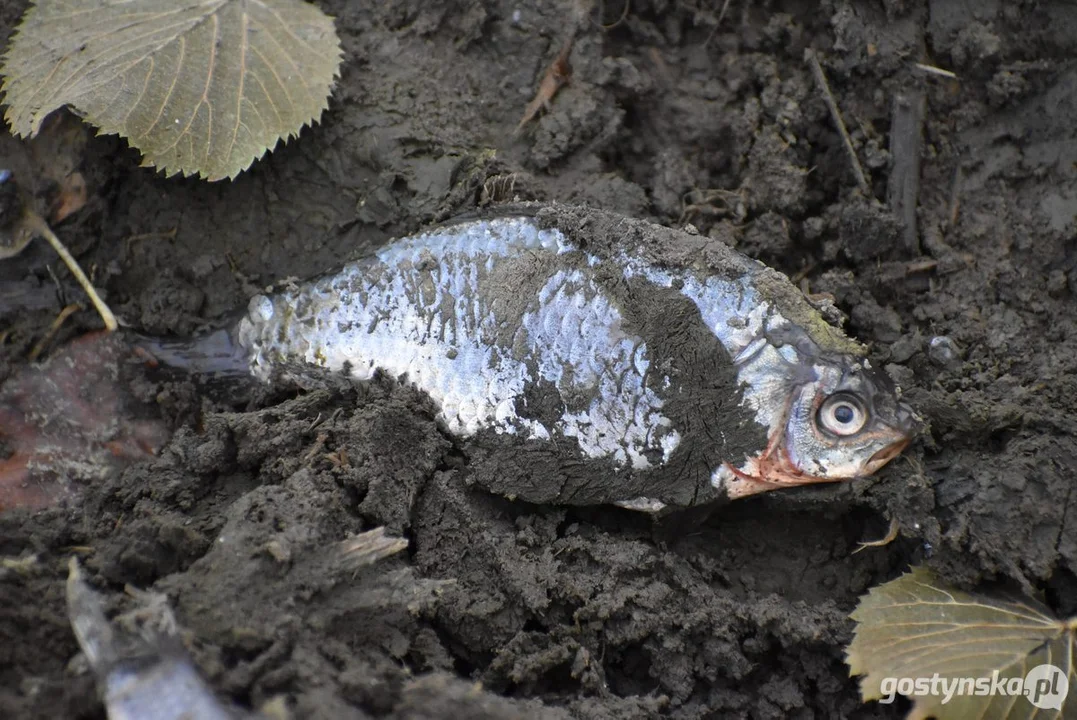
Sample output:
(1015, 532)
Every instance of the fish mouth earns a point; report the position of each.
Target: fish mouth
(906, 425)
(888, 453)
(766, 472)
(772, 471)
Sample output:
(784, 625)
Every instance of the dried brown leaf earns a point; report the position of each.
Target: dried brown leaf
(917, 627)
(198, 86)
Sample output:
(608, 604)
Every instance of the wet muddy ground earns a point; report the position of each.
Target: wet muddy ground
(699, 112)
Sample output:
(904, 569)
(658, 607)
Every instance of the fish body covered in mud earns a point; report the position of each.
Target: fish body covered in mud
(583, 357)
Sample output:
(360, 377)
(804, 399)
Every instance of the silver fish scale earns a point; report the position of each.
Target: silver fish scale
(576, 338)
(476, 315)
(169, 689)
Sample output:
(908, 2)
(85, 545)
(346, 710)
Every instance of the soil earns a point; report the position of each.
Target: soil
(678, 112)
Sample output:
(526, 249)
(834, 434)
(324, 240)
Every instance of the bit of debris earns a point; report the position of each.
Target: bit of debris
(25, 565)
(140, 673)
(43, 343)
(37, 225)
(903, 186)
(369, 547)
(932, 70)
(891, 535)
(921, 266)
(717, 23)
(835, 114)
(70, 198)
(498, 189)
(955, 197)
(557, 74)
(624, 14)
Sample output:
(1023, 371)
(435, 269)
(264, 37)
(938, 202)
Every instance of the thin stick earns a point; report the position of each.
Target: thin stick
(556, 75)
(890, 536)
(903, 186)
(36, 223)
(920, 266)
(624, 14)
(835, 114)
(955, 196)
(67, 312)
(717, 23)
(932, 70)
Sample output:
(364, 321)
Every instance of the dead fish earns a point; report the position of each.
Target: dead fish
(147, 674)
(140, 678)
(582, 357)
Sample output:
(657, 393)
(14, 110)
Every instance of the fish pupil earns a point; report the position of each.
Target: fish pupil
(844, 414)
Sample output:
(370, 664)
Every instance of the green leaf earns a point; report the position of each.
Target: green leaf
(198, 86)
(917, 627)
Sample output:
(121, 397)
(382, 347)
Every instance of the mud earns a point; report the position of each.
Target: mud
(503, 609)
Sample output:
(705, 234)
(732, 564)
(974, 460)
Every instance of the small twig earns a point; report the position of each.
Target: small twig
(163, 235)
(890, 536)
(61, 292)
(932, 70)
(717, 23)
(316, 448)
(37, 224)
(903, 186)
(557, 74)
(955, 196)
(25, 565)
(43, 343)
(920, 266)
(803, 273)
(624, 14)
(835, 114)
(132, 239)
(368, 547)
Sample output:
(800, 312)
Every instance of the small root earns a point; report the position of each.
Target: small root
(921, 266)
(498, 189)
(43, 343)
(129, 241)
(835, 114)
(624, 15)
(38, 225)
(717, 23)
(890, 536)
(556, 75)
(933, 70)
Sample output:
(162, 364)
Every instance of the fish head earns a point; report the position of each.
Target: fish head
(846, 424)
(842, 419)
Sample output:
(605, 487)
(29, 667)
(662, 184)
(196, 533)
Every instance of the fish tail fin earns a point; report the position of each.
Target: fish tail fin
(216, 353)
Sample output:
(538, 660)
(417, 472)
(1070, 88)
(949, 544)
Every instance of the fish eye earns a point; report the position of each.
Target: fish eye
(842, 415)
